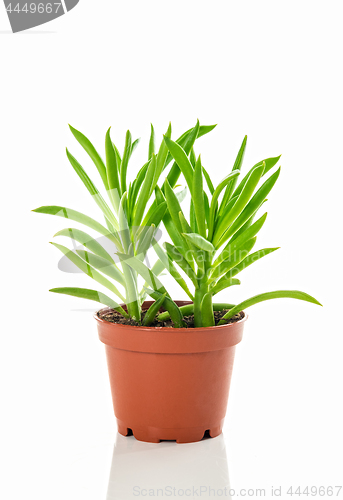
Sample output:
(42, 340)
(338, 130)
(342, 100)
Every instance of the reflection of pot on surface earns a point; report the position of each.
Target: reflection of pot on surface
(168, 470)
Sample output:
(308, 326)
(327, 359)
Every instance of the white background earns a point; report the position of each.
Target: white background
(269, 69)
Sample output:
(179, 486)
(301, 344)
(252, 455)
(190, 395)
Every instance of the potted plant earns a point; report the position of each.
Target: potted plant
(170, 362)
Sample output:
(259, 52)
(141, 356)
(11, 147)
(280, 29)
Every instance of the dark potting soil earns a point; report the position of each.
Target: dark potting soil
(115, 317)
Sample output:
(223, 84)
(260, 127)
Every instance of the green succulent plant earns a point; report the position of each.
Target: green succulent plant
(130, 223)
(207, 251)
(217, 241)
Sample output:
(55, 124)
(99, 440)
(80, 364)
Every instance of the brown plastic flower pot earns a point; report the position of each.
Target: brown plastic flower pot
(170, 383)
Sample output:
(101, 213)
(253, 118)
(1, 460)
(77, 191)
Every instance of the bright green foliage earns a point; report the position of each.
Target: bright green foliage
(208, 248)
(132, 212)
(225, 217)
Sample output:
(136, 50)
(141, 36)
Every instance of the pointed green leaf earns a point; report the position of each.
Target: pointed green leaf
(199, 242)
(250, 259)
(123, 223)
(251, 208)
(269, 164)
(151, 142)
(92, 152)
(160, 159)
(85, 293)
(214, 201)
(224, 283)
(280, 294)
(234, 245)
(229, 216)
(198, 198)
(172, 308)
(112, 170)
(87, 241)
(181, 261)
(208, 180)
(237, 166)
(153, 310)
(92, 190)
(144, 193)
(182, 161)
(144, 271)
(103, 265)
(186, 145)
(233, 260)
(168, 264)
(125, 161)
(173, 205)
(87, 269)
(69, 213)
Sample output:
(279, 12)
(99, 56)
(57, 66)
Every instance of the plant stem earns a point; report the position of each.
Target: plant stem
(198, 296)
(132, 302)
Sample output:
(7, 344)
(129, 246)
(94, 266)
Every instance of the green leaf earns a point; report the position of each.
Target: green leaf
(86, 240)
(157, 269)
(137, 183)
(172, 308)
(249, 259)
(231, 215)
(161, 159)
(224, 283)
(192, 157)
(92, 190)
(168, 264)
(233, 260)
(159, 195)
(69, 213)
(103, 265)
(280, 294)
(237, 166)
(207, 208)
(144, 194)
(173, 205)
(134, 146)
(112, 170)
(181, 261)
(208, 180)
(251, 208)
(176, 237)
(198, 198)
(269, 164)
(187, 145)
(123, 223)
(91, 151)
(125, 161)
(87, 269)
(199, 242)
(181, 195)
(214, 201)
(145, 240)
(85, 293)
(153, 310)
(151, 144)
(155, 215)
(182, 161)
(144, 271)
(233, 246)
